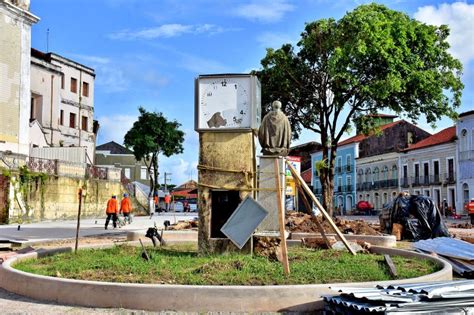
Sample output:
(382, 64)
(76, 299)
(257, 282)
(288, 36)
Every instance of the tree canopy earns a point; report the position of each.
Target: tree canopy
(373, 59)
(152, 134)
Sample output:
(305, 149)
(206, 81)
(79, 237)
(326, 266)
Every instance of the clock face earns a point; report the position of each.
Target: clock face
(224, 103)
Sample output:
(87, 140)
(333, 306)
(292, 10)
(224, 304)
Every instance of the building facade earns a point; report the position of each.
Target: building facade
(116, 155)
(344, 177)
(377, 178)
(62, 101)
(465, 153)
(428, 168)
(15, 38)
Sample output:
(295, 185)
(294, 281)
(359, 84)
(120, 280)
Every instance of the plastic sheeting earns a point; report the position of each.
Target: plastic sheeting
(419, 216)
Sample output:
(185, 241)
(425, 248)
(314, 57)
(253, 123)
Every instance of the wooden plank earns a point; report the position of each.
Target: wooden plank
(391, 266)
(309, 207)
(298, 178)
(281, 220)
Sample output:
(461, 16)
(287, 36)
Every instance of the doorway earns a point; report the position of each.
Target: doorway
(223, 204)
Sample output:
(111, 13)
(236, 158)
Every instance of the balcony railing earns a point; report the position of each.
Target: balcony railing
(405, 182)
(43, 165)
(435, 179)
(450, 178)
(349, 168)
(338, 169)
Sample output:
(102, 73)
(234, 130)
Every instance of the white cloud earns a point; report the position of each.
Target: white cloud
(114, 127)
(274, 40)
(90, 59)
(180, 169)
(459, 16)
(168, 31)
(264, 11)
(200, 65)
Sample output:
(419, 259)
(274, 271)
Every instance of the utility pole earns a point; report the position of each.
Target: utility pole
(166, 181)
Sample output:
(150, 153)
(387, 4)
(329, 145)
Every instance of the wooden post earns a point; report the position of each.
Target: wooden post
(310, 208)
(320, 207)
(281, 220)
(78, 220)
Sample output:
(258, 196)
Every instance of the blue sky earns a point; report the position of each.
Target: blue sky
(148, 52)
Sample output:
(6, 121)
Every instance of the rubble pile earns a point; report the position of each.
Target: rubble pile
(301, 222)
(267, 247)
(184, 225)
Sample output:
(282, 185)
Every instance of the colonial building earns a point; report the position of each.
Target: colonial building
(428, 167)
(116, 155)
(465, 152)
(378, 164)
(62, 102)
(344, 176)
(15, 44)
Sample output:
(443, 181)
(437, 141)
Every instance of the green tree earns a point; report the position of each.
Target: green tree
(151, 135)
(372, 59)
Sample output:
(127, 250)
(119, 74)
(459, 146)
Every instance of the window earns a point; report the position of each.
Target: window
(349, 183)
(84, 123)
(61, 117)
(143, 173)
(73, 85)
(464, 141)
(417, 173)
(409, 137)
(32, 109)
(385, 172)
(426, 172)
(348, 163)
(72, 120)
(376, 174)
(436, 171)
(126, 171)
(394, 172)
(85, 89)
(62, 81)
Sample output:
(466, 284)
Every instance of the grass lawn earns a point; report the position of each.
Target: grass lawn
(182, 265)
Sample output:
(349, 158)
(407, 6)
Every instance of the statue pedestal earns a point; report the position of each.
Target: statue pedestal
(267, 195)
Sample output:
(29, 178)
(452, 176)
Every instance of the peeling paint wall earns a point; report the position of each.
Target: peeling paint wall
(223, 150)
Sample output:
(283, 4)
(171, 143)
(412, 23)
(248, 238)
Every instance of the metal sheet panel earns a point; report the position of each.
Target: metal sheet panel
(243, 222)
(447, 246)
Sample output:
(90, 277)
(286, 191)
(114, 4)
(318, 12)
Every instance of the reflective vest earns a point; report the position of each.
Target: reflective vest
(470, 207)
(112, 206)
(126, 205)
(167, 199)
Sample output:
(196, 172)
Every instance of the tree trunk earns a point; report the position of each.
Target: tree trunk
(327, 180)
(155, 174)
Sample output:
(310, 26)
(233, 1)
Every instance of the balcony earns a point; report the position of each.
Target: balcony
(449, 178)
(338, 169)
(392, 183)
(435, 179)
(349, 188)
(360, 186)
(416, 181)
(349, 168)
(405, 183)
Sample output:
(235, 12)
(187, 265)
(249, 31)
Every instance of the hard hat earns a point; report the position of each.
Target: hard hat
(125, 195)
(113, 196)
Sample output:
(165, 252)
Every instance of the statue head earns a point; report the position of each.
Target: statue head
(276, 106)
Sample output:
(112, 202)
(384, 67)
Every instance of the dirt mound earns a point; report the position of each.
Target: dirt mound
(184, 225)
(461, 225)
(301, 222)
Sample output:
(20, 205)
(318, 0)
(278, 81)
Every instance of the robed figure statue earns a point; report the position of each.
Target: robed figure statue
(274, 133)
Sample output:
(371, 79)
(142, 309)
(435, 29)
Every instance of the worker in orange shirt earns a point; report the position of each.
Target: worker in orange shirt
(126, 208)
(167, 202)
(470, 210)
(112, 211)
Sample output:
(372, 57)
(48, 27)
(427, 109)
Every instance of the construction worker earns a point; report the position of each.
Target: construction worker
(470, 210)
(168, 201)
(112, 211)
(126, 208)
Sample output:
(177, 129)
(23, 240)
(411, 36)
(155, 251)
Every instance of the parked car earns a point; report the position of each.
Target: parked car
(364, 208)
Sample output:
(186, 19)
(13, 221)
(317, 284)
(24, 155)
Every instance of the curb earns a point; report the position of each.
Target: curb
(187, 298)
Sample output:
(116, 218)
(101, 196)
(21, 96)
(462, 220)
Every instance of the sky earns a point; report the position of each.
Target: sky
(148, 52)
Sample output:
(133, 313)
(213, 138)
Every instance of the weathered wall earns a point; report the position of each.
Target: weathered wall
(57, 199)
(223, 150)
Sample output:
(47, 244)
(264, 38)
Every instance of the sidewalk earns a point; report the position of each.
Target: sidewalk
(60, 230)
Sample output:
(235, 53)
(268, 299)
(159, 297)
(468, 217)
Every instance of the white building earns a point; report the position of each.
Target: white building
(62, 101)
(428, 167)
(465, 151)
(15, 44)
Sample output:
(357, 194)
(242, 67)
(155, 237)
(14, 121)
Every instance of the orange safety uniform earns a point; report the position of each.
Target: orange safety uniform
(155, 199)
(470, 207)
(126, 205)
(167, 199)
(112, 206)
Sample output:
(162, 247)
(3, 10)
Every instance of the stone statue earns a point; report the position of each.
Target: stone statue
(274, 133)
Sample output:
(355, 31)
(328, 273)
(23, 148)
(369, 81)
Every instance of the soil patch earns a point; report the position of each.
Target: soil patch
(302, 222)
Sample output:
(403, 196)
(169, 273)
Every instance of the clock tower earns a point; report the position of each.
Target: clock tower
(227, 115)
